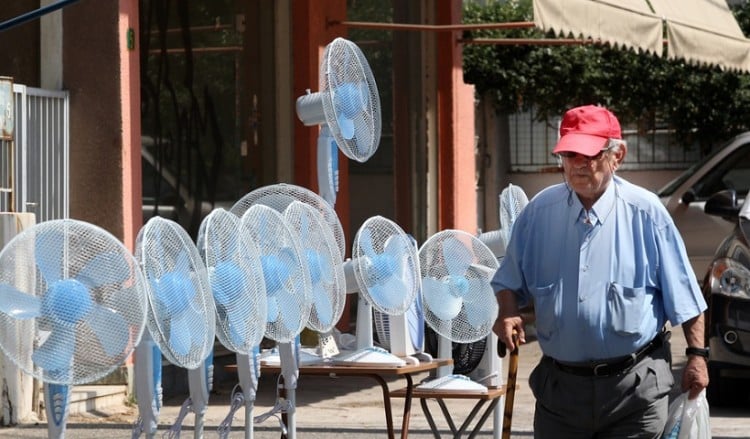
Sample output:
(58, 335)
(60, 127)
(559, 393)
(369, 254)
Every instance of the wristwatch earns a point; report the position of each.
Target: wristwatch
(701, 352)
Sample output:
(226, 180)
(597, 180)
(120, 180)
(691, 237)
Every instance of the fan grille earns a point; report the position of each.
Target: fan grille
(286, 277)
(236, 277)
(324, 263)
(79, 292)
(351, 99)
(458, 300)
(512, 201)
(181, 317)
(279, 196)
(386, 265)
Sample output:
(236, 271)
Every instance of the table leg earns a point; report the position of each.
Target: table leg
(407, 406)
(386, 404)
(428, 416)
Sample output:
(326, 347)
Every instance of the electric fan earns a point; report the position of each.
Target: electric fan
(348, 108)
(385, 270)
(280, 197)
(72, 307)
(181, 319)
(459, 302)
(512, 201)
(236, 277)
(288, 291)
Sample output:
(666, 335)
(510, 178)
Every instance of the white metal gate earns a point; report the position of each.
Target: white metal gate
(34, 167)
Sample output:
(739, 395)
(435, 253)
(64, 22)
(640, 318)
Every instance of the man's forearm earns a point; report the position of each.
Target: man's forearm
(694, 330)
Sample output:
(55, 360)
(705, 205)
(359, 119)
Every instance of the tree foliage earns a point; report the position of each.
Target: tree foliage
(702, 104)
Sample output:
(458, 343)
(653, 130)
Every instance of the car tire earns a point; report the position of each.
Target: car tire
(723, 391)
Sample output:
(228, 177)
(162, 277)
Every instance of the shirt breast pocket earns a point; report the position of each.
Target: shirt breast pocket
(547, 309)
(625, 309)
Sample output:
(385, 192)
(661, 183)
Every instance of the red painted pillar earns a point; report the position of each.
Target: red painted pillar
(455, 106)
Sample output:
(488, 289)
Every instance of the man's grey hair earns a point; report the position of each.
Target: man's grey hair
(614, 145)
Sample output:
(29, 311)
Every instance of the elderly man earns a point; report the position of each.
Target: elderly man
(604, 267)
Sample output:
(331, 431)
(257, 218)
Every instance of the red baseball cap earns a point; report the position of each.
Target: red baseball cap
(585, 130)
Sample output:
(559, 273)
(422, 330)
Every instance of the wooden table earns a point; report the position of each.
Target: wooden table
(492, 397)
(378, 373)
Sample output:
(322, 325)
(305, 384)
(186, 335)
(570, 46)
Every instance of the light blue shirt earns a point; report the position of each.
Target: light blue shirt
(603, 282)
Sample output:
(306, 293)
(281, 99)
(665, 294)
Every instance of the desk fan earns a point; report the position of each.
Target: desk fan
(239, 291)
(288, 292)
(348, 109)
(459, 302)
(279, 197)
(181, 318)
(72, 307)
(385, 271)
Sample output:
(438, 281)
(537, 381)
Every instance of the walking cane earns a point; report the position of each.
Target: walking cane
(510, 384)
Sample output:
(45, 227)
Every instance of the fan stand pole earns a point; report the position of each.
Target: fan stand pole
(290, 372)
(445, 350)
(198, 385)
(249, 383)
(56, 398)
(147, 371)
(364, 324)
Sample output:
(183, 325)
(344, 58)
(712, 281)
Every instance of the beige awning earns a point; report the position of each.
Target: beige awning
(622, 23)
(698, 31)
(704, 32)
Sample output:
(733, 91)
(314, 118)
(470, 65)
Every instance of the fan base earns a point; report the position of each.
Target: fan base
(452, 384)
(372, 356)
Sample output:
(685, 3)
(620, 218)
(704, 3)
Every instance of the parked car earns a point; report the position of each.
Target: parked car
(727, 291)
(685, 198)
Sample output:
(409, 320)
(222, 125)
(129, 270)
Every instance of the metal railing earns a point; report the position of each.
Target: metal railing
(34, 167)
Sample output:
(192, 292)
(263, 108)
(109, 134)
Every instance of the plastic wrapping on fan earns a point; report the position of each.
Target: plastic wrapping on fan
(72, 302)
(236, 277)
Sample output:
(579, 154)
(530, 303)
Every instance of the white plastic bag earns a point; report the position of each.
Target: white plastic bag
(688, 418)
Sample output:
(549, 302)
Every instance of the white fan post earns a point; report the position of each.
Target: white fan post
(148, 390)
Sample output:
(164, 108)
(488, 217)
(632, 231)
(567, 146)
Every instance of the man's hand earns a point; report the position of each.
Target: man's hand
(509, 320)
(695, 376)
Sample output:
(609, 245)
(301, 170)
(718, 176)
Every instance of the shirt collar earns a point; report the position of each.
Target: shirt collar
(601, 209)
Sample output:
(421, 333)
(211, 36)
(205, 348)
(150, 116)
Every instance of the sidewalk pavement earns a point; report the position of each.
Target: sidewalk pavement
(352, 407)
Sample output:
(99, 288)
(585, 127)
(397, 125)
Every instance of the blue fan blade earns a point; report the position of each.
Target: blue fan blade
(390, 294)
(292, 317)
(111, 329)
(346, 127)
(56, 354)
(439, 300)
(273, 309)
(457, 256)
(48, 254)
(478, 305)
(17, 304)
(397, 247)
(323, 306)
(105, 269)
(365, 241)
(237, 328)
(180, 338)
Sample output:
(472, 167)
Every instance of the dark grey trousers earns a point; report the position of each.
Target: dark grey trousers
(631, 405)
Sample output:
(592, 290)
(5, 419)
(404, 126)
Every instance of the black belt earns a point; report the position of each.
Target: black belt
(616, 367)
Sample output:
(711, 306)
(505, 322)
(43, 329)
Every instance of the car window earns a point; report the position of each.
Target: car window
(733, 172)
